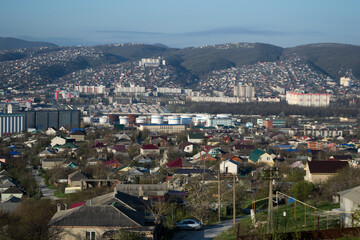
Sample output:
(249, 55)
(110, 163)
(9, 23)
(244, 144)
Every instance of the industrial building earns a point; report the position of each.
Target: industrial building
(11, 123)
(165, 128)
(45, 119)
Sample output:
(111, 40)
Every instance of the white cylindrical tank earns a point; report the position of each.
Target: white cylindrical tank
(124, 120)
(223, 115)
(157, 119)
(87, 119)
(103, 120)
(186, 119)
(141, 120)
(249, 125)
(173, 120)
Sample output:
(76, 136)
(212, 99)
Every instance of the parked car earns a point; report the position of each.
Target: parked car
(189, 224)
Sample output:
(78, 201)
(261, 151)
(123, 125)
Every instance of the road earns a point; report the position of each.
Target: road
(45, 191)
(206, 233)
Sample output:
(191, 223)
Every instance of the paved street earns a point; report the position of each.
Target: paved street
(45, 191)
(206, 233)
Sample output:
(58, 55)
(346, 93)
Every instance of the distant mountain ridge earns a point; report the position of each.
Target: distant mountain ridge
(7, 43)
(332, 59)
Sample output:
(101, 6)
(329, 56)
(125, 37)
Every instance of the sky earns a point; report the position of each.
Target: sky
(182, 23)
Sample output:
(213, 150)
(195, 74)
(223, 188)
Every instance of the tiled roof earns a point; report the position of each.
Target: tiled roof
(326, 166)
(149, 146)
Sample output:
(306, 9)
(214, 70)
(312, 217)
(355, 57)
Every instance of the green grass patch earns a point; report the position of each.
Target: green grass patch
(52, 187)
(59, 194)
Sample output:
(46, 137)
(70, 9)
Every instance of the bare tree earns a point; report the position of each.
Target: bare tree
(199, 197)
(158, 209)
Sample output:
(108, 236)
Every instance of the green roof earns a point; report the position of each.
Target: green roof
(255, 155)
(196, 135)
(69, 145)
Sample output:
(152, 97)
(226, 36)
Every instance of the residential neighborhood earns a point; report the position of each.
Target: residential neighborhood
(106, 179)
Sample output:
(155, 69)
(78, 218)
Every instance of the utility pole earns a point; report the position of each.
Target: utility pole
(270, 207)
(219, 196)
(234, 207)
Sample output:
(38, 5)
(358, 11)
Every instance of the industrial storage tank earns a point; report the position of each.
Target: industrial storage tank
(249, 125)
(124, 120)
(186, 119)
(87, 120)
(141, 120)
(173, 120)
(157, 119)
(103, 120)
(223, 115)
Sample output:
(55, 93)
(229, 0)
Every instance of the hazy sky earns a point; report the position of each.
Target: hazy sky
(182, 23)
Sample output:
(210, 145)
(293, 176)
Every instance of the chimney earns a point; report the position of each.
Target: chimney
(58, 207)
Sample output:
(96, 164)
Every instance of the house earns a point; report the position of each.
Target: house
(243, 147)
(213, 151)
(196, 137)
(118, 149)
(75, 179)
(50, 131)
(160, 142)
(11, 192)
(67, 146)
(187, 147)
(179, 163)
(229, 167)
(10, 205)
(259, 156)
(78, 135)
(112, 163)
(267, 159)
(101, 217)
(142, 159)
(320, 171)
(6, 183)
(123, 138)
(47, 153)
(58, 140)
(149, 149)
(49, 163)
(203, 156)
(143, 190)
(349, 202)
(297, 165)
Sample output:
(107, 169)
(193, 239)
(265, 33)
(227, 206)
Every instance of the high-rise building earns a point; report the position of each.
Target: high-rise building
(91, 89)
(308, 99)
(244, 92)
(11, 123)
(130, 90)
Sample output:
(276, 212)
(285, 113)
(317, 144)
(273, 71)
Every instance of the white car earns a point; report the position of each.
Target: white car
(189, 224)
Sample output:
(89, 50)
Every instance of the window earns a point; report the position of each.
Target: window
(91, 235)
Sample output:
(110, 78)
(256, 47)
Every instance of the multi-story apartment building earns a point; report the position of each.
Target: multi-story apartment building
(308, 99)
